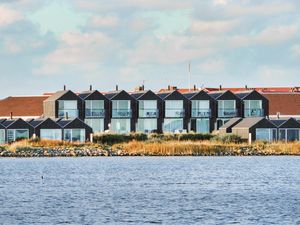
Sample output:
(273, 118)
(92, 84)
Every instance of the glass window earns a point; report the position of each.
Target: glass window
(74, 135)
(289, 134)
(202, 126)
(67, 107)
(253, 108)
(2, 136)
(147, 125)
(121, 104)
(17, 134)
(266, 134)
(226, 108)
(174, 108)
(120, 125)
(148, 108)
(51, 134)
(96, 124)
(68, 104)
(94, 104)
(200, 104)
(173, 125)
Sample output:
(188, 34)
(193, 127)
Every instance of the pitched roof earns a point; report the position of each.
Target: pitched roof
(22, 106)
(85, 94)
(36, 122)
(216, 94)
(112, 94)
(231, 122)
(138, 94)
(283, 103)
(57, 95)
(249, 122)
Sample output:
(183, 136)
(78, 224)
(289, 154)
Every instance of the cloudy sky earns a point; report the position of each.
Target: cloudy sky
(45, 44)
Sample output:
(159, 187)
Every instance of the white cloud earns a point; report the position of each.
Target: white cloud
(104, 21)
(213, 27)
(295, 50)
(212, 66)
(8, 16)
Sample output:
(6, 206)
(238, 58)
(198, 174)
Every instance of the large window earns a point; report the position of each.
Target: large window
(173, 125)
(74, 135)
(2, 136)
(148, 108)
(266, 134)
(147, 125)
(202, 126)
(253, 108)
(96, 124)
(17, 134)
(200, 108)
(94, 108)
(67, 108)
(227, 108)
(289, 135)
(174, 108)
(120, 126)
(121, 108)
(51, 134)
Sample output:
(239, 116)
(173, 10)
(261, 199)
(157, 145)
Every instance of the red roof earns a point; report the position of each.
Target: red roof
(284, 103)
(23, 106)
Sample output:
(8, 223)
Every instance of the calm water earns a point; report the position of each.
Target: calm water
(179, 190)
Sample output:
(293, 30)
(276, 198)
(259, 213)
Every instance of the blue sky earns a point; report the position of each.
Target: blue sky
(46, 44)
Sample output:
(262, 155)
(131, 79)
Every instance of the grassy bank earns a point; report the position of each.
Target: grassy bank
(206, 148)
(148, 145)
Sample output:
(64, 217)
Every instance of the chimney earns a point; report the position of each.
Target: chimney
(220, 87)
(67, 115)
(195, 87)
(91, 87)
(143, 87)
(65, 87)
(246, 87)
(11, 115)
(278, 115)
(169, 87)
(117, 87)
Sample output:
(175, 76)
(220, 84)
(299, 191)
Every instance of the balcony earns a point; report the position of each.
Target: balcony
(94, 113)
(175, 113)
(148, 113)
(70, 113)
(254, 112)
(201, 113)
(121, 113)
(227, 113)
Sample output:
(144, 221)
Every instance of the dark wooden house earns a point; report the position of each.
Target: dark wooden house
(17, 129)
(46, 128)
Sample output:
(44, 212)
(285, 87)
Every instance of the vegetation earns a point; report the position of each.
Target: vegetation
(136, 144)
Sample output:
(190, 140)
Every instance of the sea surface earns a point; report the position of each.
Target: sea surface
(150, 190)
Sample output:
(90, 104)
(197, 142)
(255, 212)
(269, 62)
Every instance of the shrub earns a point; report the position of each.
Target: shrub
(195, 137)
(111, 139)
(228, 138)
(138, 136)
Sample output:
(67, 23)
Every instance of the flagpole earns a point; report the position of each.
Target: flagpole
(189, 76)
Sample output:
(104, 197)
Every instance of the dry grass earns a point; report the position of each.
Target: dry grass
(169, 148)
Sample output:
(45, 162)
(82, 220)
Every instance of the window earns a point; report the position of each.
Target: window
(74, 135)
(51, 134)
(226, 108)
(17, 134)
(94, 108)
(253, 108)
(173, 125)
(96, 124)
(148, 108)
(174, 108)
(121, 108)
(266, 134)
(67, 107)
(2, 136)
(200, 108)
(121, 126)
(202, 126)
(289, 134)
(147, 125)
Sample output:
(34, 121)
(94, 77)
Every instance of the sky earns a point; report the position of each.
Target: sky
(45, 44)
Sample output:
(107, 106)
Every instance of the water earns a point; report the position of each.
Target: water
(174, 190)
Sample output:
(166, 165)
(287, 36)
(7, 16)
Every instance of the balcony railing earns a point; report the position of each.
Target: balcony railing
(72, 113)
(227, 113)
(121, 113)
(201, 113)
(95, 113)
(253, 112)
(148, 113)
(175, 113)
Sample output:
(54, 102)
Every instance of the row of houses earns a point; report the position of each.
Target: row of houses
(146, 111)
(262, 129)
(66, 115)
(74, 130)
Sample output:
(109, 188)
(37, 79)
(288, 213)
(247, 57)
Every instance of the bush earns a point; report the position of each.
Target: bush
(195, 137)
(139, 136)
(228, 138)
(111, 139)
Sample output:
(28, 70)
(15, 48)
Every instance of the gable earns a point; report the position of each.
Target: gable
(228, 95)
(123, 95)
(290, 123)
(254, 95)
(201, 95)
(96, 95)
(175, 95)
(149, 95)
